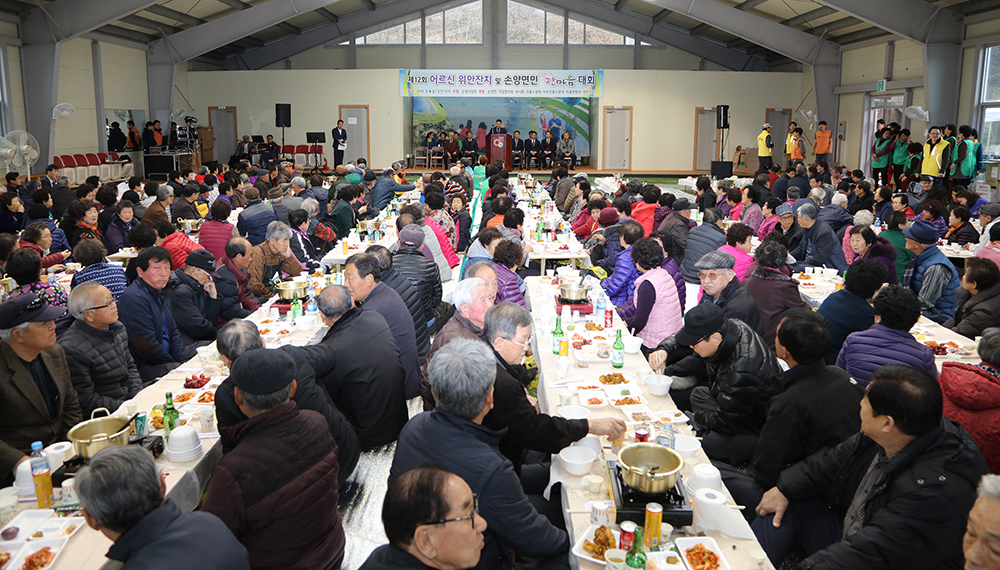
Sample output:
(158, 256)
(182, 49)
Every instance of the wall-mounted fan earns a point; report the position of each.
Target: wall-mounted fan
(915, 113)
(809, 116)
(63, 111)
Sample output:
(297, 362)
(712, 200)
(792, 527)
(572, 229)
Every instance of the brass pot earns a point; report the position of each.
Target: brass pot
(550, 225)
(288, 289)
(539, 200)
(573, 291)
(90, 436)
(650, 467)
(189, 225)
(368, 225)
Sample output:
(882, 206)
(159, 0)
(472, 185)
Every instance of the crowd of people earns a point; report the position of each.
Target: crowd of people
(834, 427)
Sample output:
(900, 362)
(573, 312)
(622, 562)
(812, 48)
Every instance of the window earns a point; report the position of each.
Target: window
(459, 25)
(464, 24)
(989, 124)
(529, 25)
(991, 79)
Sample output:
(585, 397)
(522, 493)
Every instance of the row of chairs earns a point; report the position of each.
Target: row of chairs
(436, 157)
(77, 167)
(306, 155)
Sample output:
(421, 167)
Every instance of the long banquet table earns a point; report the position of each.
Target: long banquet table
(575, 495)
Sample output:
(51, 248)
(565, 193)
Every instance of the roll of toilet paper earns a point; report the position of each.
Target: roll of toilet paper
(58, 453)
(711, 512)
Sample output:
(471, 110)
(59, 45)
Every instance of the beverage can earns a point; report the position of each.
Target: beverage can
(641, 434)
(654, 518)
(627, 535)
(563, 346)
(609, 319)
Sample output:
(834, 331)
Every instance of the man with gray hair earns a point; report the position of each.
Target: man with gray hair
(294, 200)
(471, 298)
(311, 364)
(835, 214)
(277, 489)
(101, 367)
(508, 331)
(982, 532)
(269, 259)
(121, 493)
(485, 271)
(159, 210)
(462, 376)
(368, 381)
(819, 246)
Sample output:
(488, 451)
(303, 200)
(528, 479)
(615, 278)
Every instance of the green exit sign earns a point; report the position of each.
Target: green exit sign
(880, 85)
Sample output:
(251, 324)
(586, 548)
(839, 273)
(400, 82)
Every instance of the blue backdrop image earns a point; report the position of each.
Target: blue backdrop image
(479, 114)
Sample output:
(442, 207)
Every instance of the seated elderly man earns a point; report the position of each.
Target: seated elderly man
(270, 259)
(472, 298)
(408, 293)
(194, 300)
(311, 363)
(485, 271)
(37, 399)
(972, 396)
(935, 279)
(462, 376)
(721, 287)
(424, 514)
(363, 280)
(836, 214)
(421, 272)
(819, 246)
(982, 533)
(893, 496)
(367, 383)
(508, 330)
(282, 472)
(850, 310)
(729, 410)
(96, 344)
(155, 342)
(236, 300)
(121, 492)
(159, 209)
(253, 221)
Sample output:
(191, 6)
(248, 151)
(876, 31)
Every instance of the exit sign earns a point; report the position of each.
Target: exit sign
(880, 85)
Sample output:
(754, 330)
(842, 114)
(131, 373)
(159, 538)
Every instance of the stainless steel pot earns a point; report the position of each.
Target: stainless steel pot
(90, 436)
(650, 467)
(288, 289)
(574, 291)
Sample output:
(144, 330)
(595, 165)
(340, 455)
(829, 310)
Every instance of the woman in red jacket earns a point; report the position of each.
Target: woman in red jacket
(972, 396)
(38, 238)
(643, 212)
(586, 224)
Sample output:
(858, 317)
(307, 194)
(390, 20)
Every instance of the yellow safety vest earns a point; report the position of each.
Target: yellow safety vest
(789, 143)
(762, 149)
(931, 165)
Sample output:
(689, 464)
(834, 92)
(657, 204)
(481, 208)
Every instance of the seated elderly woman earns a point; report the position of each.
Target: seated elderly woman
(866, 245)
(11, 213)
(271, 258)
(738, 244)
(932, 211)
(862, 219)
(321, 234)
(658, 312)
(25, 267)
(960, 229)
(116, 232)
(38, 238)
(85, 213)
(91, 255)
(302, 247)
(773, 291)
(978, 298)
(506, 259)
(217, 231)
(888, 341)
(972, 396)
(584, 226)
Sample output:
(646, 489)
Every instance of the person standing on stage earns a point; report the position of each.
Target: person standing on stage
(765, 146)
(499, 129)
(339, 139)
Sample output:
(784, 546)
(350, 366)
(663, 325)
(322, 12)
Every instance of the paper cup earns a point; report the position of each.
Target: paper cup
(615, 559)
(8, 506)
(207, 420)
(69, 491)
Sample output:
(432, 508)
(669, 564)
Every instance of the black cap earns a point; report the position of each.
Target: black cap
(27, 308)
(263, 371)
(370, 176)
(202, 259)
(700, 322)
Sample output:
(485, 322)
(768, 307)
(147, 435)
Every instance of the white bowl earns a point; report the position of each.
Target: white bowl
(574, 412)
(184, 440)
(705, 476)
(830, 272)
(577, 460)
(659, 384)
(632, 344)
(686, 445)
(305, 322)
(300, 278)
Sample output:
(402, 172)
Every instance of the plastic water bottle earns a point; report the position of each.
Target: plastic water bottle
(42, 475)
(600, 303)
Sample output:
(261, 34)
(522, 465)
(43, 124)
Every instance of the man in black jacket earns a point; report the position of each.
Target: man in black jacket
(722, 288)
(194, 301)
(408, 292)
(367, 383)
(729, 412)
(312, 362)
(517, 150)
(422, 273)
(816, 409)
(231, 283)
(532, 150)
(894, 496)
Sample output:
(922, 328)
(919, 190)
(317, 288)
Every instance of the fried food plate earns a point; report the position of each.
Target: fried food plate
(578, 550)
(686, 543)
(33, 550)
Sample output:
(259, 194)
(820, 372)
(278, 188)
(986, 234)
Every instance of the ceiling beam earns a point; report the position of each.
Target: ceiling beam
(235, 4)
(833, 26)
(749, 4)
(369, 4)
(660, 16)
(620, 4)
(172, 14)
(860, 35)
(65, 19)
(240, 5)
(700, 28)
(152, 25)
(327, 14)
(126, 33)
(809, 16)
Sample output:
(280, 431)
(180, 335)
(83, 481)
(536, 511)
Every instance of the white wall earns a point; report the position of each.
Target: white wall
(77, 134)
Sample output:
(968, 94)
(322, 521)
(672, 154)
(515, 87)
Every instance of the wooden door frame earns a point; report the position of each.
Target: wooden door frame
(368, 128)
(604, 136)
(236, 124)
(718, 142)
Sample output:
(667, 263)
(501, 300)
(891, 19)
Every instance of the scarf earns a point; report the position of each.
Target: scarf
(91, 227)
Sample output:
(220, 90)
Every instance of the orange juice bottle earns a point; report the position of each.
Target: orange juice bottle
(42, 475)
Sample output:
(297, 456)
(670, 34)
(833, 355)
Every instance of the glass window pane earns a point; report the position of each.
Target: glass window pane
(435, 28)
(575, 32)
(989, 134)
(629, 41)
(553, 28)
(599, 36)
(991, 83)
(525, 24)
(887, 101)
(413, 32)
(393, 35)
(464, 24)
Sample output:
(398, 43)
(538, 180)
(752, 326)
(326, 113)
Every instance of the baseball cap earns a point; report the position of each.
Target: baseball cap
(263, 371)
(411, 235)
(681, 204)
(27, 308)
(784, 210)
(922, 231)
(991, 209)
(716, 260)
(261, 172)
(202, 259)
(766, 126)
(700, 322)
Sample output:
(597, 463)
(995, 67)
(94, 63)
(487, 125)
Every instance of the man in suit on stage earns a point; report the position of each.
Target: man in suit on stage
(517, 150)
(339, 138)
(532, 149)
(498, 130)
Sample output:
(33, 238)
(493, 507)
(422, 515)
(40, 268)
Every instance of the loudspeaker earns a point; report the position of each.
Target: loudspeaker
(283, 114)
(722, 117)
(722, 169)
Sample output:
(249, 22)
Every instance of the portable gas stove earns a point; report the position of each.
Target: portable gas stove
(153, 443)
(285, 307)
(582, 307)
(630, 505)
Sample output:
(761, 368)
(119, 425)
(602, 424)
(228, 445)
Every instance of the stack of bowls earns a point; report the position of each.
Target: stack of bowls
(184, 445)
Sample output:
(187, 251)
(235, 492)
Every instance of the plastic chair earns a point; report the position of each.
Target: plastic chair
(103, 170)
(82, 171)
(57, 161)
(301, 152)
(288, 150)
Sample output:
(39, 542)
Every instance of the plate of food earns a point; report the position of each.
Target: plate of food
(950, 347)
(25, 525)
(56, 528)
(9, 550)
(594, 543)
(196, 381)
(593, 327)
(185, 396)
(673, 417)
(701, 553)
(622, 390)
(592, 353)
(613, 379)
(639, 415)
(636, 400)
(664, 560)
(593, 398)
(37, 554)
(581, 386)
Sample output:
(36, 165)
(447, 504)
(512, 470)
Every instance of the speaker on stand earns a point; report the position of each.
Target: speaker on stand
(282, 118)
(721, 168)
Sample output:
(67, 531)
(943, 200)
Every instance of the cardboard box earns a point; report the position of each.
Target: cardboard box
(991, 168)
(746, 161)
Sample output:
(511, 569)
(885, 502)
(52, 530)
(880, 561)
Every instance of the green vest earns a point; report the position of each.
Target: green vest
(966, 168)
(882, 161)
(899, 154)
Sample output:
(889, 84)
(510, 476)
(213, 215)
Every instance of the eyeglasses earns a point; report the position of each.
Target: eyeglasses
(109, 303)
(471, 517)
(526, 344)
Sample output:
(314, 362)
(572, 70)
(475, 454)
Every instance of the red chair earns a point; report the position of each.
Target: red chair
(114, 156)
(57, 161)
(300, 154)
(94, 167)
(288, 150)
(82, 170)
